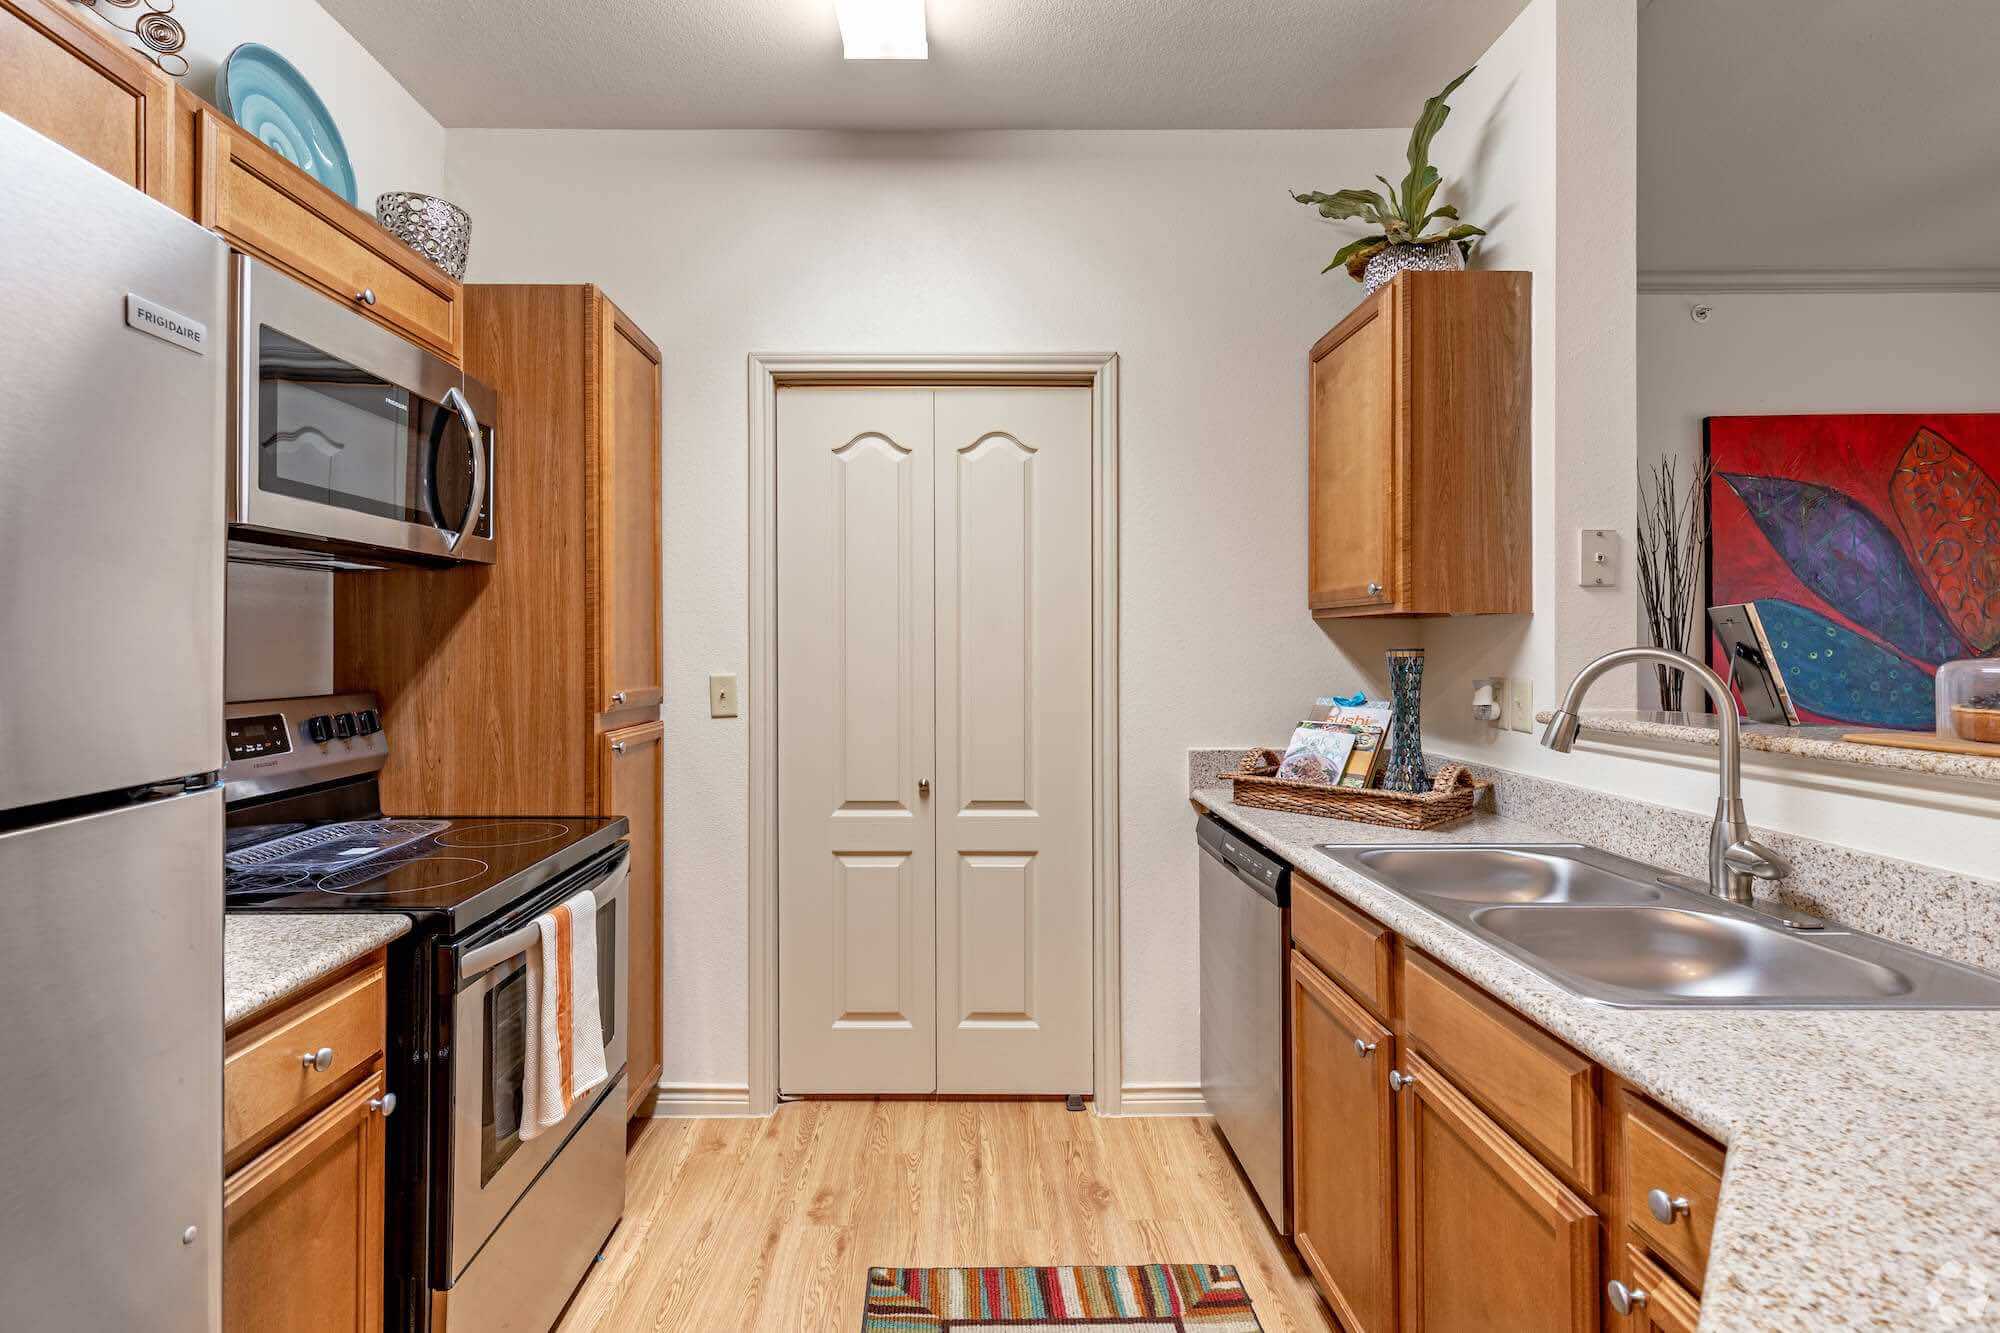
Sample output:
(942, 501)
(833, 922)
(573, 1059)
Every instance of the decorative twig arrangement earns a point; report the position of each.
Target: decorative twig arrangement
(1673, 535)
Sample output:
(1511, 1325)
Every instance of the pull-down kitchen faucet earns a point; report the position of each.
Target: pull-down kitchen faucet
(1735, 859)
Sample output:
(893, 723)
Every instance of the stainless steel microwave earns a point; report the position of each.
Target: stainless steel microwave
(349, 444)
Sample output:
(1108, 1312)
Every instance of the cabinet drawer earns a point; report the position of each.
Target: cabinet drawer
(1355, 950)
(266, 1078)
(1658, 1153)
(267, 207)
(1539, 1088)
(1660, 1304)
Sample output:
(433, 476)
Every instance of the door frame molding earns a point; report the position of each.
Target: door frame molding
(1097, 371)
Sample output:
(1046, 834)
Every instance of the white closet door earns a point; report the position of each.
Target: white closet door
(1013, 798)
(856, 847)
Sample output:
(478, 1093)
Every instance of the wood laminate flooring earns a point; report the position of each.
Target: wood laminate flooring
(772, 1224)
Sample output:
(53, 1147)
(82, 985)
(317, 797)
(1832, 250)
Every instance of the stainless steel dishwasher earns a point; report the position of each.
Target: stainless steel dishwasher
(1245, 892)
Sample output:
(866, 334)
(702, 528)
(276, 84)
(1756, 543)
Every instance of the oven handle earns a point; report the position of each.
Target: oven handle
(520, 939)
(455, 400)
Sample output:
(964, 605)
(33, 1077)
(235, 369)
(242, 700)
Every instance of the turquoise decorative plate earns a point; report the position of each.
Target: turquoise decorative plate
(266, 96)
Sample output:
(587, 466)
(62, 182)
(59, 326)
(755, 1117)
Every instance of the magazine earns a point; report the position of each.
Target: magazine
(1318, 753)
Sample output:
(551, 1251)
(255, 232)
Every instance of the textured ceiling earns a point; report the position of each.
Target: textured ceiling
(995, 64)
(1818, 134)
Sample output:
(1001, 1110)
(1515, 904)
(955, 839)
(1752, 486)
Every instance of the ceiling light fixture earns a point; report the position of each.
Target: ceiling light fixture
(883, 29)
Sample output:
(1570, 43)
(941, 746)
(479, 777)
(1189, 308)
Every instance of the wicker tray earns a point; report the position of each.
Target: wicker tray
(1452, 796)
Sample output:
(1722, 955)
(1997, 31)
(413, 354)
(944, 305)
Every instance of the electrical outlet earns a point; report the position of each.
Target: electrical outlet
(1521, 703)
(722, 696)
(1489, 699)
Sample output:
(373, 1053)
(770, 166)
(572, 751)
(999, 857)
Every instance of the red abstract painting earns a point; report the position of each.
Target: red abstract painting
(1871, 545)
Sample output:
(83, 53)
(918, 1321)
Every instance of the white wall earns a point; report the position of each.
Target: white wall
(1178, 251)
(394, 143)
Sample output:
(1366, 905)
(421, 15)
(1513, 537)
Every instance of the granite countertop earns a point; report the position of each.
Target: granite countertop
(1862, 1184)
(1808, 742)
(266, 958)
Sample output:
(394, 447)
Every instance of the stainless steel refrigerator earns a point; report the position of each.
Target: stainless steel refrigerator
(113, 348)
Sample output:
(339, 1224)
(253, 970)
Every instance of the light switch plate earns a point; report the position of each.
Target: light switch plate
(1597, 558)
(1521, 703)
(722, 696)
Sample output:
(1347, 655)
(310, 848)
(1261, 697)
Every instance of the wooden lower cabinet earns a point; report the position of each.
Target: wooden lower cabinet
(1491, 1239)
(632, 782)
(1343, 1151)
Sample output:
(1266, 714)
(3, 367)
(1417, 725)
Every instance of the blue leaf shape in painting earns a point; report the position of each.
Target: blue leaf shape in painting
(1832, 671)
(1849, 557)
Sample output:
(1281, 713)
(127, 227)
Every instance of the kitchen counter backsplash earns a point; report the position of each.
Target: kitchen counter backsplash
(1949, 914)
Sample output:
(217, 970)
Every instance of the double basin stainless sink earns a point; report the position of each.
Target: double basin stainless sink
(1621, 933)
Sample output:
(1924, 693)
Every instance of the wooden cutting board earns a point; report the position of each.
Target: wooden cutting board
(1917, 740)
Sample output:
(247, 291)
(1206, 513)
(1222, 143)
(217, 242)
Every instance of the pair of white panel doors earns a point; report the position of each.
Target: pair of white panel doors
(934, 739)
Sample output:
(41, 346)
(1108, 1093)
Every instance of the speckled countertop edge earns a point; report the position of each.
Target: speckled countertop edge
(1818, 742)
(1862, 1184)
(266, 958)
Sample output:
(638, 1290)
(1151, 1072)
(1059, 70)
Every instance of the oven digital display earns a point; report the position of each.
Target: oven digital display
(255, 737)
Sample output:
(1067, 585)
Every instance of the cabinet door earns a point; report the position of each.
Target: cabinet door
(1354, 493)
(71, 78)
(303, 1248)
(1343, 1141)
(632, 787)
(628, 510)
(1490, 1238)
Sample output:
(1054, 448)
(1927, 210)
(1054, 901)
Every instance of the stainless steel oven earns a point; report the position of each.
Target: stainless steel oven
(348, 440)
(491, 1170)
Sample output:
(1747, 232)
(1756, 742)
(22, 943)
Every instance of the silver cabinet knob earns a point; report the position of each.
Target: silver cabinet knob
(1665, 1207)
(1364, 1049)
(386, 1103)
(1374, 590)
(1398, 1080)
(618, 747)
(366, 296)
(617, 696)
(1624, 1299)
(319, 1061)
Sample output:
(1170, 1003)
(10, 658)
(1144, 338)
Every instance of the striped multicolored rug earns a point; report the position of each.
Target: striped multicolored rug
(1166, 1298)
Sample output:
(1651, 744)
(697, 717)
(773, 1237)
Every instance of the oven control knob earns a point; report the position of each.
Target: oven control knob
(367, 722)
(319, 730)
(343, 726)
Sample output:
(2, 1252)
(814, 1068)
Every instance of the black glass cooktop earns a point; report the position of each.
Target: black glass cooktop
(464, 869)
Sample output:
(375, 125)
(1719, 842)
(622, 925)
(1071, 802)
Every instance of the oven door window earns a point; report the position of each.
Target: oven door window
(506, 1063)
(335, 434)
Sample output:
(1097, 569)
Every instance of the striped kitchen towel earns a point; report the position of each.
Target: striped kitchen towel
(565, 1038)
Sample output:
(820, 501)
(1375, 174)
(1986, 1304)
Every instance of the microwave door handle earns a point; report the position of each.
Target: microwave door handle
(455, 400)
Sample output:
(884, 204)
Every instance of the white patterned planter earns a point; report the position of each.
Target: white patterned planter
(1443, 257)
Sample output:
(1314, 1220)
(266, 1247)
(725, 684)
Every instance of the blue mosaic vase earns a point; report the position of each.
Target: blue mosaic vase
(1406, 771)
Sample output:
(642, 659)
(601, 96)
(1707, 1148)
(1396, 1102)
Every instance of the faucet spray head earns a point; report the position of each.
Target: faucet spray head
(1560, 734)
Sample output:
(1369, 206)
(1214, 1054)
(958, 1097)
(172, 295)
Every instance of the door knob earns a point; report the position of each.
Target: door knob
(1666, 1207)
(1624, 1299)
(1364, 1049)
(318, 1061)
(386, 1103)
(924, 788)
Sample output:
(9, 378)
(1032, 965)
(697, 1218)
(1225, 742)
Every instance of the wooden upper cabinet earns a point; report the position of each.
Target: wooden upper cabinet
(1418, 493)
(1343, 1151)
(1491, 1240)
(632, 782)
(267, 207)
(73, 79)
(304, 1238)
(627, 558)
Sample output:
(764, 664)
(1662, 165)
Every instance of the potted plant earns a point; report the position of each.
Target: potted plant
(1401, 214)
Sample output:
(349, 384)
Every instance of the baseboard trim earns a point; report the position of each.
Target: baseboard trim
(701, 1101)
(1162, 1099)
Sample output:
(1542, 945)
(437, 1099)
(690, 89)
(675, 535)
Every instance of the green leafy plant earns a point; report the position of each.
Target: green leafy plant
(1401, 214)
